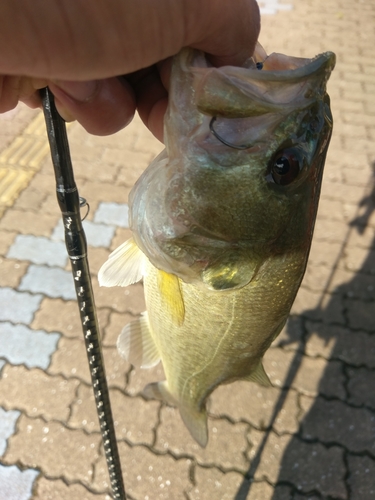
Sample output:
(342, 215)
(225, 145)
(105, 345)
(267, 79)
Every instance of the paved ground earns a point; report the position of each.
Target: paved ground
(311, 436)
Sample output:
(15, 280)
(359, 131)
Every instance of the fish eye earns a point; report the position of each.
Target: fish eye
(285, 167)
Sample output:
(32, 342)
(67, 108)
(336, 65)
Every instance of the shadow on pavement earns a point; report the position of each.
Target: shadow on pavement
(328, 455)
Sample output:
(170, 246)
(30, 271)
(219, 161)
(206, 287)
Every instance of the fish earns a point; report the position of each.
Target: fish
(222, 222)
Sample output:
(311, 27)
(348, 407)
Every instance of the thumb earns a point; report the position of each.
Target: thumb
(101, 106)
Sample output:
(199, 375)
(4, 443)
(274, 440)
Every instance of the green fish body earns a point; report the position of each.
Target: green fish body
(222, 223)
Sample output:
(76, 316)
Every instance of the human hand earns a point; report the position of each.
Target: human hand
(78, 49)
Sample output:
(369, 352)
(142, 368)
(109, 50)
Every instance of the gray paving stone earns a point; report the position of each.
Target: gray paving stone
(18, 307)
(17, 484)
(114, 214)
(361, 478)
(2, 363)
(39, 250)
(8, 421)
(21, 345)
(52, 281)
(97, 235)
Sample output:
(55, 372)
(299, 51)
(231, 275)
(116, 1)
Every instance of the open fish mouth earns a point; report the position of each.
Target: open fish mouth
(283, 84)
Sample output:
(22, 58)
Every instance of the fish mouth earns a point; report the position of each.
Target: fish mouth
(279, 67)
(283, 85)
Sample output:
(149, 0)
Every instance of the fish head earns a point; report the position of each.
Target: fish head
(240, 178)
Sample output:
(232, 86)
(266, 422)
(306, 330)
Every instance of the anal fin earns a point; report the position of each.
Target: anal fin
(160, 391)
(136, 345)
(194, 420)
(259, 376)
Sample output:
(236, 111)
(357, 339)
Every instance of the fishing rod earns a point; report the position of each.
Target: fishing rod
(76, 245)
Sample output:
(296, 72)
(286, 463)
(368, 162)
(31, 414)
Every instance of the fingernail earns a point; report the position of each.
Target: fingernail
(80, 91)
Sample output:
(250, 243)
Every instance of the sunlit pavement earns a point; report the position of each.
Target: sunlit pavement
(312, 435)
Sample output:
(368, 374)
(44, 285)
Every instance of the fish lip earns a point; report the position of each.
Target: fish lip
(322, 62)
(286, 84)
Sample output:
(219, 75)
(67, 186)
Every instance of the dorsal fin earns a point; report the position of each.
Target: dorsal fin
(259, 376)
(124, 266)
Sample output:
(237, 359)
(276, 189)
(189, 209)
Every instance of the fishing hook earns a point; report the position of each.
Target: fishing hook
(223, 141)
(83, 203)
(259, 66)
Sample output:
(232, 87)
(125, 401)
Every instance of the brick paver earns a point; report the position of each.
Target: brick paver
(312, 435)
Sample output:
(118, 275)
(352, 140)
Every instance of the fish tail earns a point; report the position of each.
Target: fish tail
(195, 420)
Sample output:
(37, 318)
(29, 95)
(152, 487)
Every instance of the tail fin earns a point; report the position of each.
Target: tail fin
(195, 420)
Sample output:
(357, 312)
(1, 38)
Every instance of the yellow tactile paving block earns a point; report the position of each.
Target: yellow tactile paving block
(12, 182)
(20, 161)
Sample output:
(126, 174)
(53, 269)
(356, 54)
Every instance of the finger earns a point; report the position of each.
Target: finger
(16, 88)
(151, 97)
(81, 40)
(231, 39)
(102, 107)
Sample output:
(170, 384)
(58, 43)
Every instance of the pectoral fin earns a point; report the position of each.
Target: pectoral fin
(232, 271)
(123, 267)
(171, 297)
(136, 345)
(259, 376)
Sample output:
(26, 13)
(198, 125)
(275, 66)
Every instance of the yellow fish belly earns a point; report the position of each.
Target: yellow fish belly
(223, 335)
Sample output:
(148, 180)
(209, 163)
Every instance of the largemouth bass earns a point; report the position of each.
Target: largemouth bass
(222, 222)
